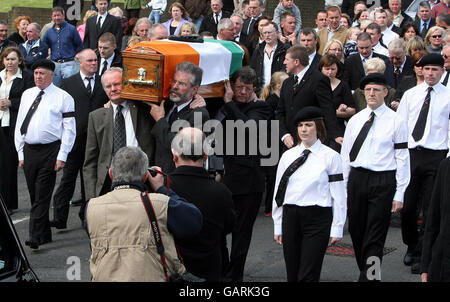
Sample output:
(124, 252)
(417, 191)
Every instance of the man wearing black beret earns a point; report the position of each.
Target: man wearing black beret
(44, 136)
(375, 163)
(426, 109)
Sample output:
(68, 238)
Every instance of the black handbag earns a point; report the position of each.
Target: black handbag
(186, 277)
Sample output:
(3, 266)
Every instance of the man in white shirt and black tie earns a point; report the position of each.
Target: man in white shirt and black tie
(375, 162)
(446, 55)
(107, 53)
(426, 108)
(44, 136)
(212, 20)
(86, 89)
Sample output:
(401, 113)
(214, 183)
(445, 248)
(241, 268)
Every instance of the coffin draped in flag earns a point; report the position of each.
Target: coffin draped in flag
(149, 66)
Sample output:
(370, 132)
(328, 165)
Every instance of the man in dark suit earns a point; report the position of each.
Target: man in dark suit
(123, 123)
(102, 23)
(305, 87)
(353, 65)
(201, 254)
(86, 89)
(212, 20)
(243, 173)
(401, 64)
(423, 19)
(185, 84)
(107, 53)
(255, 7)
(310, 40)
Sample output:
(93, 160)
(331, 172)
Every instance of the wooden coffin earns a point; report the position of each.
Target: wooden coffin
(148, 68)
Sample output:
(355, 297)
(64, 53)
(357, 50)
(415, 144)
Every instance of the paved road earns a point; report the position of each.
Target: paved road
(57, 261)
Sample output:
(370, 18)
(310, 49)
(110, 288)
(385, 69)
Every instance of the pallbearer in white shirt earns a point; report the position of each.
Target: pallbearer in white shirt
(426, 108)
(44, 136)
(309, 203)
(375, 162)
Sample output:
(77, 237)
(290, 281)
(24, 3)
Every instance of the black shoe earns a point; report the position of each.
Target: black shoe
(32, 244)
(44, 241)
(57, 224)
(77, 202)
(415, 268)
(408, 259)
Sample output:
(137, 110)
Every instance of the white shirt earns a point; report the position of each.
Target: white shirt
(443, 78)
(378, 151)
(310, 185)
(311, 57)
(47, 124)
(129, 129)
(364, 60)
(5, 88)
(103, 19)
(380, 50)
(388, 36)
(436, 131)
(108, 62)
(267, 65)
(85, 81)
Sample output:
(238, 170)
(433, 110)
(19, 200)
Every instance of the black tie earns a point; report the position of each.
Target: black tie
(295, 83)
(120, 136)
(446, 78)
(89, 87)
(217, 19)
(397, 76)
(31, 111)
(105, 67)
(424, 30)
(359, 141)
(419, 128)
(279, 198)
(173, 116)
(99, 24)
(250, 25)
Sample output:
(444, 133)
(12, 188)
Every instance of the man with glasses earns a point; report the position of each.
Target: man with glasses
(185, 84)
(401, 63)
(268, 57)
(446, 55)
(375, 162)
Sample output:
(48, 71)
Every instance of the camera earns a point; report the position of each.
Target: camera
(152, 172)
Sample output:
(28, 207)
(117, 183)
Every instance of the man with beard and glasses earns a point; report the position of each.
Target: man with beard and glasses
(183, 104)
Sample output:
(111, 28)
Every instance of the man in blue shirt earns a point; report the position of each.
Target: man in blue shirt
(65, 42)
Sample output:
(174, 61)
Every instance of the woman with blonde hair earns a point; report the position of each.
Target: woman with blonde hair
(415, 44)
(433, 40)
(188, 29)
(271, 94)
(334, 47)
(179, 16)
(82, 28)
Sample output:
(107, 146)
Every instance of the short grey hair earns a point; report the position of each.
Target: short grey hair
(189, 144)
(192, 69)
(224, 23)
(129, 165)
(36, 26)
(397, 45)
(151, 30)
(109, 70)
(425, 4)
(237, 15)
(375, 64)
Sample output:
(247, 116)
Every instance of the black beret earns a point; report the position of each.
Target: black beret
(44, 63)
(431, 59)
(309, 113)
(372, 78)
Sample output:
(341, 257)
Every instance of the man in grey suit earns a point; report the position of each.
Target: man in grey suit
(124, 123)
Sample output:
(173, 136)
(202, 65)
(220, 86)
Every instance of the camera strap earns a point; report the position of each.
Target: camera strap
(155, 230)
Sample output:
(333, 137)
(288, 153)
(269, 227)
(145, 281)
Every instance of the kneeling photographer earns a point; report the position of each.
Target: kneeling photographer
(132, 231)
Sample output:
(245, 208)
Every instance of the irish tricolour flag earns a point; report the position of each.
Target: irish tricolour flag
(218, 59)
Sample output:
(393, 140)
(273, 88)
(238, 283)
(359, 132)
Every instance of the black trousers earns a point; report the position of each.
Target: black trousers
(9, 163)
(66, 188)
(306, 232)
(40, 175)
(132, 13)
(424, 165)
(246, 207)
(369, 204)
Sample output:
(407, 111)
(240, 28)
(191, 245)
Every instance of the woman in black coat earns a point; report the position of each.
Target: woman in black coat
(14, 80)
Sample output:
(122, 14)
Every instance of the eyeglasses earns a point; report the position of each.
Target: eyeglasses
(246, 89)
(335, 49)
(396, 58)
(436, 36)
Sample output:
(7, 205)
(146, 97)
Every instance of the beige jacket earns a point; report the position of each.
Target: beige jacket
(341, 35)
(123, 246)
